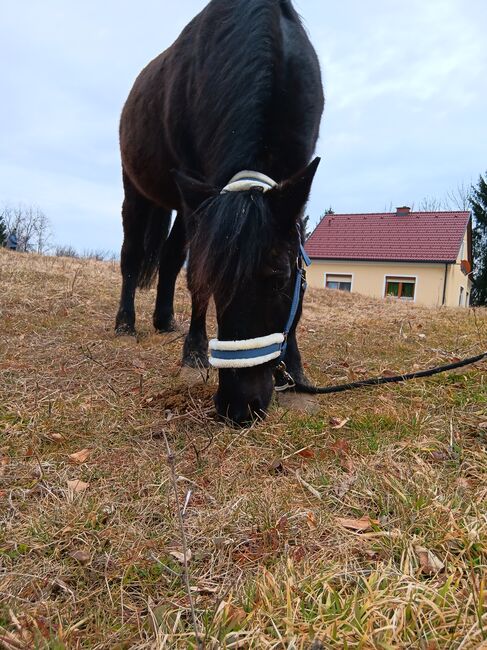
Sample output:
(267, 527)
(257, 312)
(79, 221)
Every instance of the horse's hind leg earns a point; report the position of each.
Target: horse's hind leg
(135, 215)
(172, 258)
(145, 228)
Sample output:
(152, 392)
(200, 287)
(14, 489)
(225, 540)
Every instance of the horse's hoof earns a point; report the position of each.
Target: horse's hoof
(302, 402)
(195, 360)
(193, 376)
(164, 325)
(125, 330)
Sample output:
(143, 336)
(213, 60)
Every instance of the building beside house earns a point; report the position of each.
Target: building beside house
(424, 257)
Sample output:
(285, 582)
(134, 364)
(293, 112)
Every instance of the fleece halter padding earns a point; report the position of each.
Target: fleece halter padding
(248, 353)
(247, 180)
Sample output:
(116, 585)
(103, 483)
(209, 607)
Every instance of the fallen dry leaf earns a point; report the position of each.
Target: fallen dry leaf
(311, 520)
(77, 486)
(204, 589)
(80, 456)
(234, 616)
(362, 524)
(344, 486)
(306, 453)
(283, 523)
(309, 487)
(177, 555)
(429, 562)
(360, 371)
(337, 423)
(347, 464)
(81, 556)
(298, 553)
(58, 585)
(340, 447)
(276, 467)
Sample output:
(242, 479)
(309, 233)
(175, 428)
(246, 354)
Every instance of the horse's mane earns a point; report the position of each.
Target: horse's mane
(234, 83)
(234, 231)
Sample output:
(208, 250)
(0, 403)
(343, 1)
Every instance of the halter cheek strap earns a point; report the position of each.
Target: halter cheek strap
(248, 353)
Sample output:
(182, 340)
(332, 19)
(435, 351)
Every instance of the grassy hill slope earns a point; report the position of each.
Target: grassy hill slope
(360, 526)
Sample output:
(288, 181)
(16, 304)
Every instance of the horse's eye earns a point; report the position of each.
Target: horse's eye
(277, 267)
(276, 273)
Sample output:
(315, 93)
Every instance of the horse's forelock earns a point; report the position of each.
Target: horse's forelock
(234, 231)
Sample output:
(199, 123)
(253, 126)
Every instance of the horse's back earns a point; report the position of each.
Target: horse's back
(241, 85)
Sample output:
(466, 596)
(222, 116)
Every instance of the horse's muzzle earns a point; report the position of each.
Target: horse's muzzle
(243, 396)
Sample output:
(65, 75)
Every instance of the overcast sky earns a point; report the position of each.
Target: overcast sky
(405, 116)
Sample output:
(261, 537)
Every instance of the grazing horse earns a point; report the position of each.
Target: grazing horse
(221, 128)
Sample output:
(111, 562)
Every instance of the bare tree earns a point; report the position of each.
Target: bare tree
(430, 204)
(42, 231)
(459, 198)
(31, 226)
(455, 199)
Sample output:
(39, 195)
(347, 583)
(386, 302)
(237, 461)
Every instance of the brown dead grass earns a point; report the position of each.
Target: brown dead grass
(88, 564)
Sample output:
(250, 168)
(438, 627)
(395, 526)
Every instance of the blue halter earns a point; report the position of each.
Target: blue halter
(254, 352)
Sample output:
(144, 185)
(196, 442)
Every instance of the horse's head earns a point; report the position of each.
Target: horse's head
(245, 252)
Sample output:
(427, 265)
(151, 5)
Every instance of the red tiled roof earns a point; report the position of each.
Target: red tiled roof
(411, 237)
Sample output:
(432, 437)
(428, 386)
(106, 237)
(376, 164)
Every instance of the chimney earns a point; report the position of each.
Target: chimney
(403, 210)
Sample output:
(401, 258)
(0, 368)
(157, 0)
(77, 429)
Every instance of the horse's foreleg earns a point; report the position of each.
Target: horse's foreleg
(195, 351)
(173, 254)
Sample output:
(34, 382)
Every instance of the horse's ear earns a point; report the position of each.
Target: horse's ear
(192, 192)
(289, 198)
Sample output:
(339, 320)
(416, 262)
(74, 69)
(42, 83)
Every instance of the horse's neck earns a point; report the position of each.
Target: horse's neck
(238, 88)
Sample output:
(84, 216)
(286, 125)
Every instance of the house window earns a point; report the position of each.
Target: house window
(338, 281)
(460, 299)
(404, 288)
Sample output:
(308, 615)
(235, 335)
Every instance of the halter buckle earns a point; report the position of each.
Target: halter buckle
(290, 383)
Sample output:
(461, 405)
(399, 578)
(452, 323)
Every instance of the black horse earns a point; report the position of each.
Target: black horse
(240, 89)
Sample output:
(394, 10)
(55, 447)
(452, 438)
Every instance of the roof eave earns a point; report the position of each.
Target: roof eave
(368, 259)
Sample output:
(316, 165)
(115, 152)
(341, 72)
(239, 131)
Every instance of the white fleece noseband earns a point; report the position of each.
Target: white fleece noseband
(246, 353)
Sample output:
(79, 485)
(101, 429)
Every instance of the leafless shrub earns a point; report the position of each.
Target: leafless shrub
(65, 251)
(98, 254)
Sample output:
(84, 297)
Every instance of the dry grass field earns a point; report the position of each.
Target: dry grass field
(362, 525)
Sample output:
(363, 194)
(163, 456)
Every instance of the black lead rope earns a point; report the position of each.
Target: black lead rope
(284, 379)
